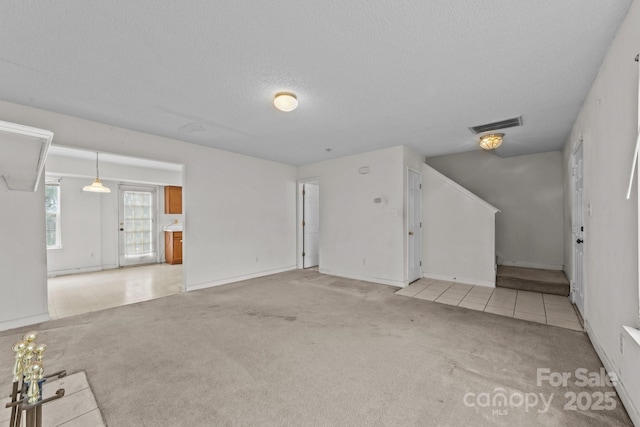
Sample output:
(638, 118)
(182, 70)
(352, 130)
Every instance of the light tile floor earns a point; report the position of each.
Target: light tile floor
(549, 309)
(77, 407)
(83, 293)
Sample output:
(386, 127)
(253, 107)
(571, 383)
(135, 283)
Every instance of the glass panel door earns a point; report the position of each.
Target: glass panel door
(137, 229)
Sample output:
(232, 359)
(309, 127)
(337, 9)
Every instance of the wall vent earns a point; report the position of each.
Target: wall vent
(502, 124)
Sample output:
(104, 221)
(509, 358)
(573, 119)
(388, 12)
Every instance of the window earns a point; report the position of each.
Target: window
(138, 223)
(52, 211)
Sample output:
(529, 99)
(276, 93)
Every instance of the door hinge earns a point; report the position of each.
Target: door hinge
(420, 224)
(420, 263)
(421, 186)
(304, 223)
(303, 254)
(303, 192)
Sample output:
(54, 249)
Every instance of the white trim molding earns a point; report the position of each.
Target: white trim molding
(465, 280)
(379, 280)
(229, 280)
(535, 265)
(24, 321)
(621, 388)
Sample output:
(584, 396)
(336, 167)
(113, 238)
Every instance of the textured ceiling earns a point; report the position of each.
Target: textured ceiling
(368, 75)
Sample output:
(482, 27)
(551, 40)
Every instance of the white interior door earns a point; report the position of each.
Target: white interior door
(311, 224)
(414, 219)
(137, 225)
(577, 290)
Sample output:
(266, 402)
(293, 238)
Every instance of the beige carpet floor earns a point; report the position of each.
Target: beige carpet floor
(301, 348)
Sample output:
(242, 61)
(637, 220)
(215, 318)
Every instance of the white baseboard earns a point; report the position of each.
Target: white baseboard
(228, 280)
(73, 271)
(390, 282)
(24, 321)
(624, 395)
(532, 265)
(465, 280)
(56, 273)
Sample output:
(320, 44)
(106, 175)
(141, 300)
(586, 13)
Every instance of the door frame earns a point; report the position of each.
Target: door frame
(300, 216)
(574, 273)
(406, 225)
(154, 232)
(311, 215)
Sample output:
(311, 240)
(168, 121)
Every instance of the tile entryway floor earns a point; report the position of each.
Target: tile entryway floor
(549, 309)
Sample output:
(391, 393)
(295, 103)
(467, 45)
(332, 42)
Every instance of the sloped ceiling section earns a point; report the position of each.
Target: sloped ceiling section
(23, 152)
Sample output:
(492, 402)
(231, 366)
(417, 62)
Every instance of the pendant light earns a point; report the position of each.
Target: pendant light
(97, 186)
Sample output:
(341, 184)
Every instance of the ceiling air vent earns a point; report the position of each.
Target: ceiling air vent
(502, 124)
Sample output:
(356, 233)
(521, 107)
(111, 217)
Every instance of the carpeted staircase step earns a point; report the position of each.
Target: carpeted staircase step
(532, 279)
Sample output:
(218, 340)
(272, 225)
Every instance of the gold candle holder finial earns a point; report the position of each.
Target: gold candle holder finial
(40, 375)
(30, 336)
(39, 351)
(27, 354)
(18, 348)
(32, 373)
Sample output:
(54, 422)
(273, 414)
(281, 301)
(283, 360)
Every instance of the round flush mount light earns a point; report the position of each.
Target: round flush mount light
(491, 141)
(285, 101)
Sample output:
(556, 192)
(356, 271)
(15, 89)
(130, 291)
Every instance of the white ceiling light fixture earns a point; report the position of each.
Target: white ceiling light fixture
(285, 101)
(96, 186)
(491, 141)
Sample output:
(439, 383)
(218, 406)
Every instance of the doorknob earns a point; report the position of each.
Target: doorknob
(579, 241)
(411, 233)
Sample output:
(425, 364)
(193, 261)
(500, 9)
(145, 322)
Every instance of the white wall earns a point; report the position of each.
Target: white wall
(81, 230)
(23, 258)
(459, 232)
(240, 221)
(608, 124)
(108, 226)
(528, 190)
(359, 238)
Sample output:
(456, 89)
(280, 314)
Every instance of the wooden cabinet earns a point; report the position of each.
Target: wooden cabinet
(172, 200)
(173, 247)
